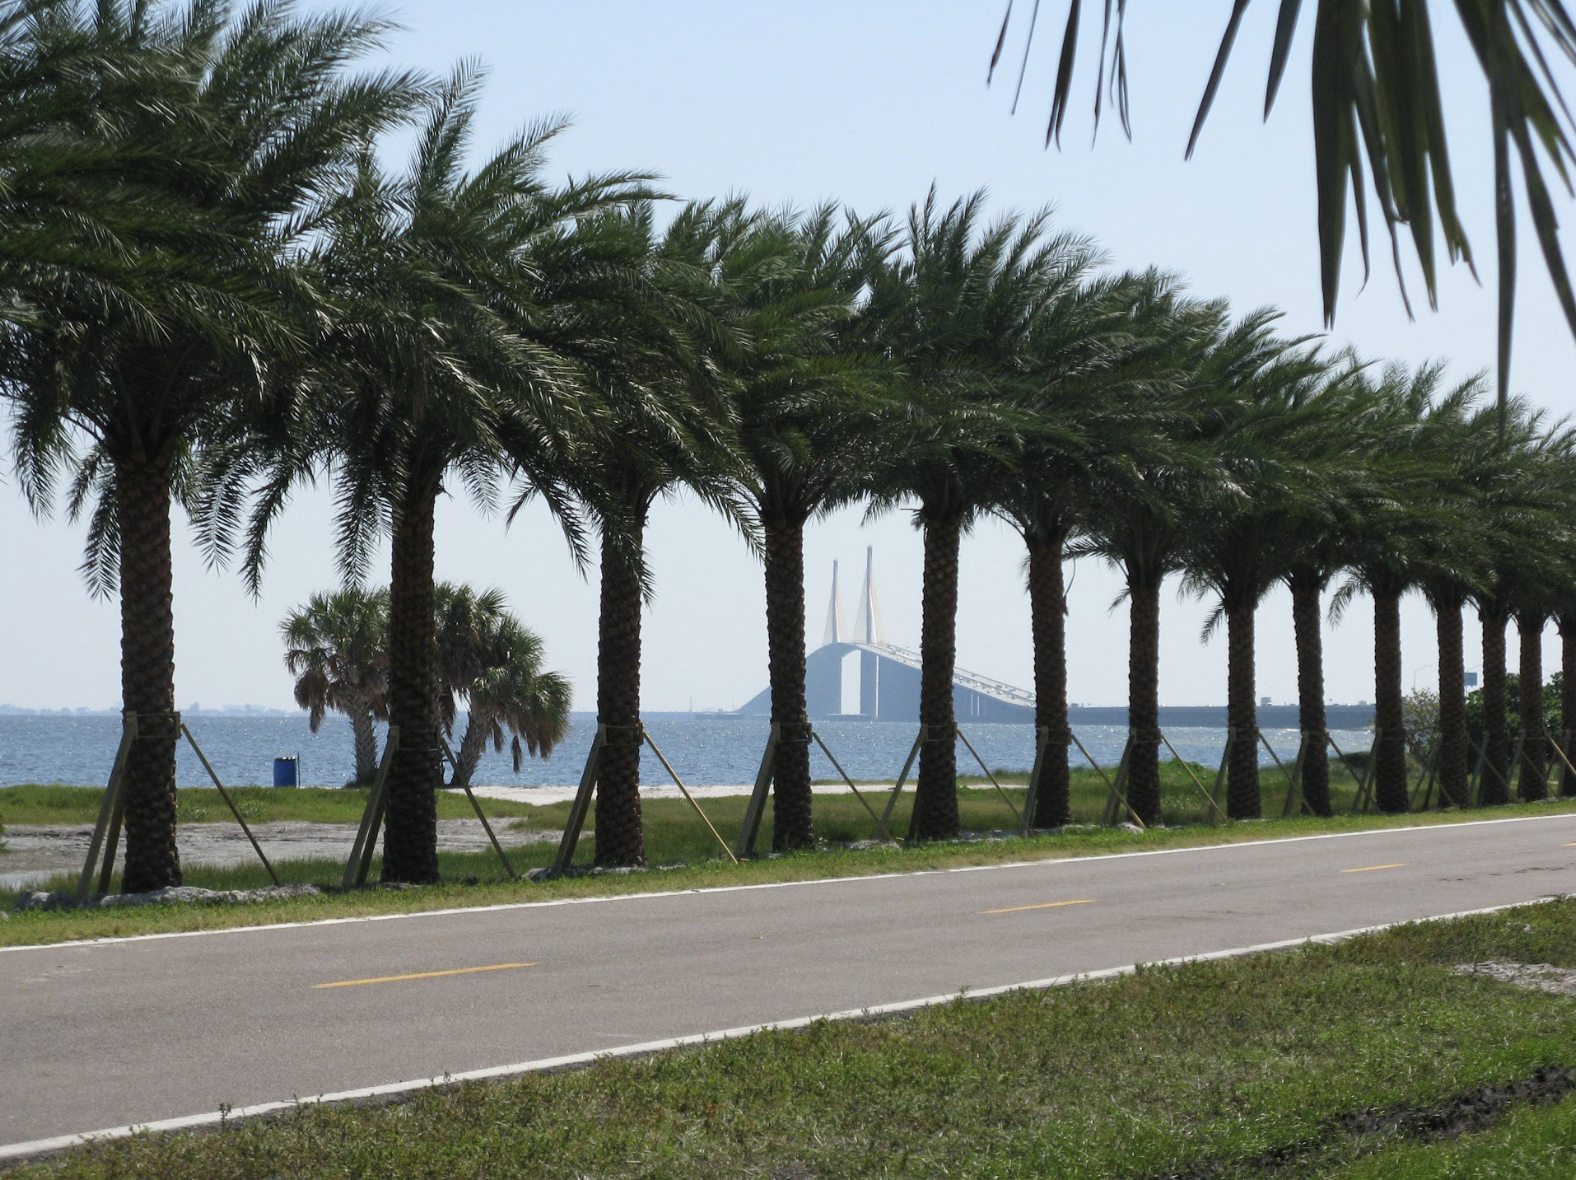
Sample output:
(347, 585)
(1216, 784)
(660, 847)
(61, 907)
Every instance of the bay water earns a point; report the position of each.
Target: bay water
(705, 750)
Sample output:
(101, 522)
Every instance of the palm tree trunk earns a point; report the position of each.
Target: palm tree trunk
(1242, 766)
(620, 837)
(1143, 698)
(1048, 623)
(1532, 783)
(1495, 787)
(366, 738)
(1390, 760)
(793, 824)
(1305, 587)
(410, 846)
(1567, 626)
(1453, 762)
(936, 793)
(147, 672)
(472, 743)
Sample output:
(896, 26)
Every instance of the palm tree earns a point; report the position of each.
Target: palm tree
(1377, 114)
(1138, 524)
(1539, 574)
(431, 373)
(1398, 517)
(1519, 516)
(1464, 447)
(1273, 429)
(807, 403)
(1312, 539)
(336, 647)
(1095, 369)
(956, 316)
(662, 424)
(488, 658)
(253, 121)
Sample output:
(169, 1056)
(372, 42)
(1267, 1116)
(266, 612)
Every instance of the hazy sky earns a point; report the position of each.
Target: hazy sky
(867, 103)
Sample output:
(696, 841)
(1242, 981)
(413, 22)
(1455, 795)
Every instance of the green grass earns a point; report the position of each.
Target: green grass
(1215, 1068)
(680, 847)
(60, 805)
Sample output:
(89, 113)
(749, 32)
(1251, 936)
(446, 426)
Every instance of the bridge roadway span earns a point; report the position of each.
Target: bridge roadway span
(99, 1035)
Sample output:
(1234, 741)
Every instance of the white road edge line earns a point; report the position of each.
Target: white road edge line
(618, 897)
(188, 1122)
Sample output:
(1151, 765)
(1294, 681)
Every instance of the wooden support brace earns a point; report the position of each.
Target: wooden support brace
(970, 746)
(109, 813)
(1294, 801)
(360, 862)
(230, 803)
(1363, 799)
(755, 810)
(1116, 798)
(908, 764)
(477, 808)
(685, 790)
(1207, 796)
(582, 804)
(881, 830)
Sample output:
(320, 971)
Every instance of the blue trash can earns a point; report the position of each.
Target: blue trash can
(286, 772)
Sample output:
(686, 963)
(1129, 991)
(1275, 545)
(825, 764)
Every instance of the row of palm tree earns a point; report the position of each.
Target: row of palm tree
(337, 645)
(264, 303)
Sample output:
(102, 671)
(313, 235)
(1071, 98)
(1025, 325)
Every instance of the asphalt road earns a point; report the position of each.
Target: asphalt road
(101, 1035)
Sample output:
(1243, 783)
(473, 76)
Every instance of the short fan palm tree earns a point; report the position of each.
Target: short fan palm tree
(493, 664)
(336, 647)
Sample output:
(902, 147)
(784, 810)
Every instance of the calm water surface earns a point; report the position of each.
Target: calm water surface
(80, 749)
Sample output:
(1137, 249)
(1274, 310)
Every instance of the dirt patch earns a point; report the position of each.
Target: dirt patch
(1543, 977)
(34, 851)
(1472, 1112)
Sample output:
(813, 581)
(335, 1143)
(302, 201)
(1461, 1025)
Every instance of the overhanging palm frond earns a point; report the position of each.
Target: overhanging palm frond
(1379, 125)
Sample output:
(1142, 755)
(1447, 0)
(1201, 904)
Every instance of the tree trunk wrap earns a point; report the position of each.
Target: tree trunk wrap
(1567, 625)
(1048, 622)
(1495, 786)
(1454, 763)
(936, 793)
(620, 838)
(1305, 589)
(1532, 779)
(793, 824)
(1390, 792)
(1143, 700)
(410, 843)
(147, 672)
(366, 739)
(1242, 765)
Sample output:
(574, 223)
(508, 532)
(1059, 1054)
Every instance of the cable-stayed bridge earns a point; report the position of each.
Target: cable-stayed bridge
(856, 673)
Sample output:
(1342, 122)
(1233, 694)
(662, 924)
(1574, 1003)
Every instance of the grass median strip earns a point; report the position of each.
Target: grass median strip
(425, 975)
(1328, 1060)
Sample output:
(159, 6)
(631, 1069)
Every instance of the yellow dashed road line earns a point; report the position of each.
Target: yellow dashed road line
(425, 975)
(1376, 868)
(1044, 905)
